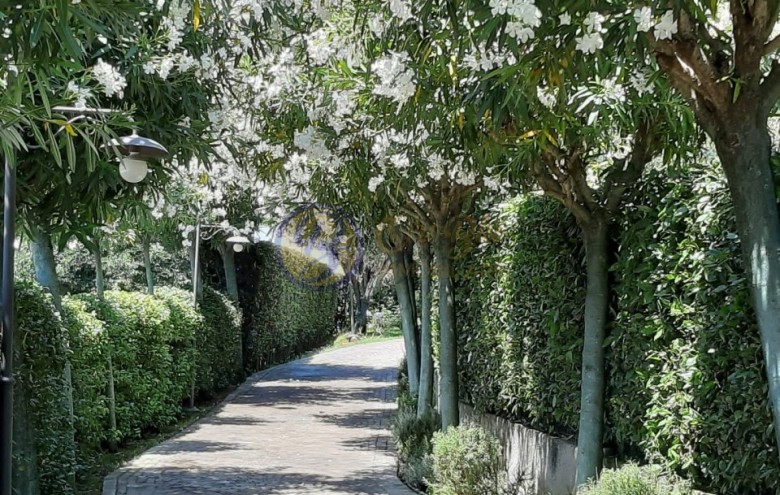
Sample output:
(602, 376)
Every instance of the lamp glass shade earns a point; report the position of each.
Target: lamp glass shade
(133, 170)
(238, 247)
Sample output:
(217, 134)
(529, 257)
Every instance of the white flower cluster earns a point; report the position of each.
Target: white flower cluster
(396, 80)
(591, 40)
(401, 9)
(80, 94)
(525, 17)
(112, 81)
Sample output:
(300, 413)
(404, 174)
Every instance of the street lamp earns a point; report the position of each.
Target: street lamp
(135, 150)
(237, 242)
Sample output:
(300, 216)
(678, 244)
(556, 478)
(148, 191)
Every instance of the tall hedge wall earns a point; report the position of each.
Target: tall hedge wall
(686, 384)
(283, 317)
(153, 349)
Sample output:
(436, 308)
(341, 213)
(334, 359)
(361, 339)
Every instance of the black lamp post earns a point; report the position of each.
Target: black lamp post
(135, 150)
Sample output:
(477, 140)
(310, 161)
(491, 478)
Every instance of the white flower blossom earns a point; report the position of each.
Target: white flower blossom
(565, 19)
(644, 19)
(590, 43)
(113, 82)
(396, 80)
(666, 27)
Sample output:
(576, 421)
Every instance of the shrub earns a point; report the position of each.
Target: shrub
(635, 480)
(89, 359)
(467, 460)
(44, 451)
(151, 374)
(218, 343)
(413, 435)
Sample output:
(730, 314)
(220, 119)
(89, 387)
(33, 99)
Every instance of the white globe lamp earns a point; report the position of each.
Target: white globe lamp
(238, 242)
(133, 170)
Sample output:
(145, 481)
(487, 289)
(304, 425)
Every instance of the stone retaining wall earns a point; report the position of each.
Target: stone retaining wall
(543, 464)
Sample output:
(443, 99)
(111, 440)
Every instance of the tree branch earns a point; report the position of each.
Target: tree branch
(772, 46)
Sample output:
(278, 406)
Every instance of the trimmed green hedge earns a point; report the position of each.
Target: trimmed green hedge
(284, 318)
(220, 363)
(686, 386)
(44, 457)
(150, 345)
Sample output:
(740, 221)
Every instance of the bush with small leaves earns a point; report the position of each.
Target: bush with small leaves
(635, 480)
(467, 460)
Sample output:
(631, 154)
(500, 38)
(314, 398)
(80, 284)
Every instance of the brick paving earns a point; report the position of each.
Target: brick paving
(316, 426)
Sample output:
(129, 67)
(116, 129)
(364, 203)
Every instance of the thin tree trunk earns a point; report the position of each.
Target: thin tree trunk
(591, 428)
(350, 294)
(195, 264)
(229, 263)
(148, 267)
(361, 305)
(749, 175)
(424, 401)
(448, 338)
(412, 280)
(405, 304)
(45, 266)
(100, 282)
(111, 402)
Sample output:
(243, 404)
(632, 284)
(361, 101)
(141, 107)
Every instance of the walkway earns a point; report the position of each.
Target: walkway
(317, 426)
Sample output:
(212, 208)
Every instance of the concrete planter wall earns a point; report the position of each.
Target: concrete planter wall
(545, 464)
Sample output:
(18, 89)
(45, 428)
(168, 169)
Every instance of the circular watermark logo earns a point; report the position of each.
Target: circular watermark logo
(319, 246)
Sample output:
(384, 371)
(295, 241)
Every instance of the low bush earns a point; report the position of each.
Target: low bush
(413, 435)
(150, 379)
(635, 480)
(467, 460)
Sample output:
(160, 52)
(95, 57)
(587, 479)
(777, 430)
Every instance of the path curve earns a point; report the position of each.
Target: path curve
(316, 426)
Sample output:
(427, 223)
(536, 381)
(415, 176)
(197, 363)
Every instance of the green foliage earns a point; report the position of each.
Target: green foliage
(521, 302)
(635, 480)
(413, 435)
(286, 317)
(467, 460)
(151, 374)
(42, 429)
(686, 387)
(220, 362)
(89, 342)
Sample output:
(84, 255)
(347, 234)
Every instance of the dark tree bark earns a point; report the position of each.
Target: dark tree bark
(425, 398)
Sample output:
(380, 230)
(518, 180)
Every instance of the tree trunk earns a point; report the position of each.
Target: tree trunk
(195, 264)
(591, 428)
(412, 280)
(747, 166)
(425, 397)
(44, 264)
(407, 325)
(361, 305)
(448, 338)
(351, 308)
(111, 402)
(100, 283)
(46, 275)
(229, 263)
(148, 267)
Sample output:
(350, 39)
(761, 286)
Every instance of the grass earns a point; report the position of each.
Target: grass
(90, 480)
(343, 339)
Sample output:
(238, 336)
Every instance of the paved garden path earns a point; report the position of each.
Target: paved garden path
(316, 426)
